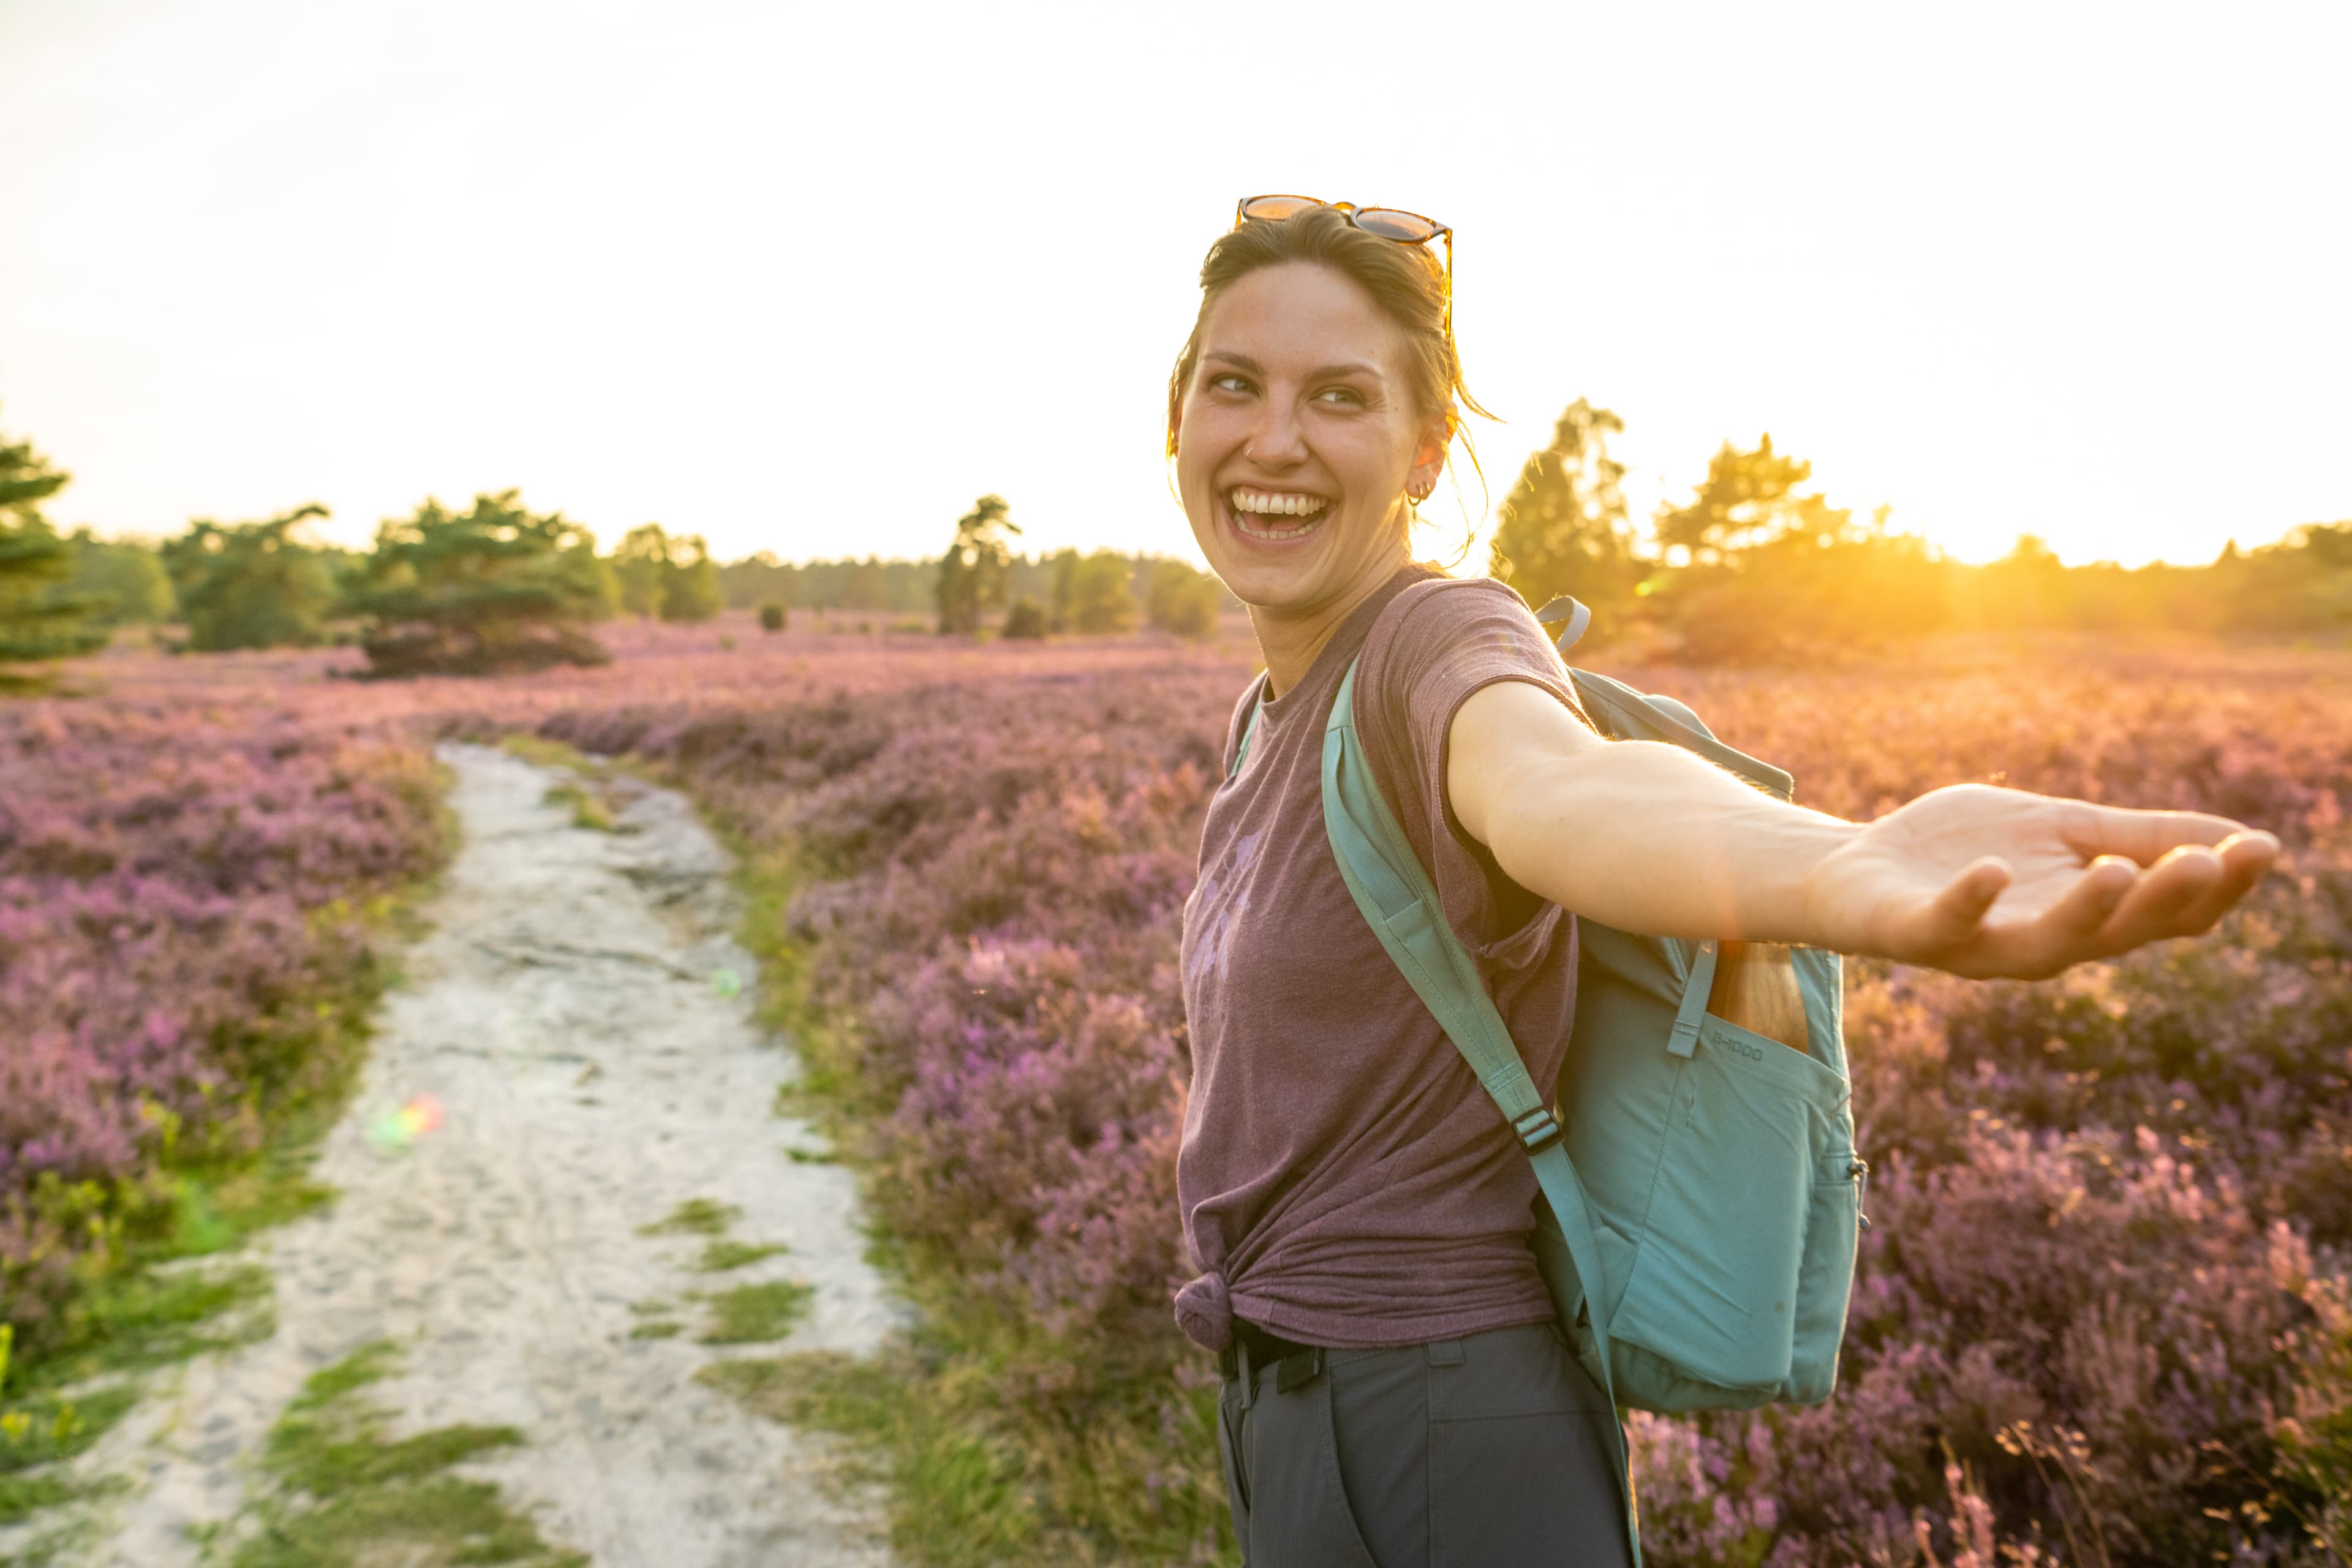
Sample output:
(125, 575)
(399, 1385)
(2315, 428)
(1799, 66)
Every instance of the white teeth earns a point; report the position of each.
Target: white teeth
(1248, 504)
(1241, 520)
(1276, 503)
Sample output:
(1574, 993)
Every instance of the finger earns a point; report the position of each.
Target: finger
(2166, 892)
(1952, 917)
(2071, 928)
(2144, 837)
(2246, 859)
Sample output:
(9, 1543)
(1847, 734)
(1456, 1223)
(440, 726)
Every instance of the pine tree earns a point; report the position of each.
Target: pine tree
(1562, 529)
(250, 585)
(39, 620)
(494, 589)
(124, 578)
(640, 562)
(1748, 498)
(690, 588)
(971, 574)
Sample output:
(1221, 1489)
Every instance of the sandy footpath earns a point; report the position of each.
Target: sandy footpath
(570, 1013)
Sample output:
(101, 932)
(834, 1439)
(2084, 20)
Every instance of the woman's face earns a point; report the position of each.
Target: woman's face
(1298, 438)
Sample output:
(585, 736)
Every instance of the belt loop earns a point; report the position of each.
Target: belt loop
(1297, 1371)
(1249, 1372)
(1446, 1352)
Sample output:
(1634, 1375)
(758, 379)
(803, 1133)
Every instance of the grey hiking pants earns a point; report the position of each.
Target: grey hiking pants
(1473, 1453)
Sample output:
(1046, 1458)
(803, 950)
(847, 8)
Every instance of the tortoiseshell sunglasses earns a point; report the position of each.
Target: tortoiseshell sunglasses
(1388, 223)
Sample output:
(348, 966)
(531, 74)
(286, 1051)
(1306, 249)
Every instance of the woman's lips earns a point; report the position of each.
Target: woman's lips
(1260, 532)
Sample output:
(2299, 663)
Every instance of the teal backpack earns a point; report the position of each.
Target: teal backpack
(1701, 1195)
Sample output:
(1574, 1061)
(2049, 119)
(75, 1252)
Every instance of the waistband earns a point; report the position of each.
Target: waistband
(1255, 1349)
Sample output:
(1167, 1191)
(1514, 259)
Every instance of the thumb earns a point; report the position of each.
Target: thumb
(1958, 909)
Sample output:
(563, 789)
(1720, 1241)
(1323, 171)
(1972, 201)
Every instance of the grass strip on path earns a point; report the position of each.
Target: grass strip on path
(343, 1493)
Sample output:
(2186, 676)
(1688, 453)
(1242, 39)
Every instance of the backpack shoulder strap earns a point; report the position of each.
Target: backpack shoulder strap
(1626, 714)
(1394, 892)
(1249, 729)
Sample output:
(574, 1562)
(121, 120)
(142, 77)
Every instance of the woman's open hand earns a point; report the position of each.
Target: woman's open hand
(1984, 881)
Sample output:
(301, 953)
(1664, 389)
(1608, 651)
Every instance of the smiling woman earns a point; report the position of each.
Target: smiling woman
(1346, 330)
(1399, 1385)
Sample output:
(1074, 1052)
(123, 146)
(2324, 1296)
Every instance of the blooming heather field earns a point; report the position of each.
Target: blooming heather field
(183, 887)
(2101, 1307)
(2107, 1207)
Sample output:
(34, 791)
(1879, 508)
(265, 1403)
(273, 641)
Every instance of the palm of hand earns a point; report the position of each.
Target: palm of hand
(1985, 882)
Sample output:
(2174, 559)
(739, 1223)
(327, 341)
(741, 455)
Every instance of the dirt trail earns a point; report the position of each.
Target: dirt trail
(572, 1011)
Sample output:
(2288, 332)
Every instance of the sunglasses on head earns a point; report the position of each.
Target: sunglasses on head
(1388, 223)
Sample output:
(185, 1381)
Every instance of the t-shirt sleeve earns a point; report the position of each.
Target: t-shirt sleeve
(1437, 643)
(1237, 726)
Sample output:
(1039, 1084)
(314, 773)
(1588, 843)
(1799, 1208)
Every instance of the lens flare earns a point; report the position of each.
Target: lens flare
(727, 983)
(396, 1129)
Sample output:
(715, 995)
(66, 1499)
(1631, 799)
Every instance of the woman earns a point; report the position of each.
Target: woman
(1347, 1186)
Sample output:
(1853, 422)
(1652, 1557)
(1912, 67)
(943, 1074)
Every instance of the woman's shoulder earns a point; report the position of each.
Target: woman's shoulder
(1439, 612)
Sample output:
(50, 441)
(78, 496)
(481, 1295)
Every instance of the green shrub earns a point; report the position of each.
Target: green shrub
(1026, 618)
(1180, 601)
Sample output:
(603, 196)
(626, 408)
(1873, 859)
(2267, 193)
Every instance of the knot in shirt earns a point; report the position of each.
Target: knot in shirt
(1204, 1310)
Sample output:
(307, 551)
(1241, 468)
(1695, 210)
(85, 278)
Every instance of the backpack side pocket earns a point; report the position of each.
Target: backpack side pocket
(1717, 1281)
(1825, 1281)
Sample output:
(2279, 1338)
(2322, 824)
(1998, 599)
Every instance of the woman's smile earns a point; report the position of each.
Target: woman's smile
(1300, 433)
(1275, 517)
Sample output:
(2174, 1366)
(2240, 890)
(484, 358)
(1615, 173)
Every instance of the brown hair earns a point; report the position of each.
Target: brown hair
(1406, 282)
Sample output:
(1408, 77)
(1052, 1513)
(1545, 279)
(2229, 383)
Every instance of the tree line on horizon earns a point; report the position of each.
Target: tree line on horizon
(1757, 565)
(498, 588)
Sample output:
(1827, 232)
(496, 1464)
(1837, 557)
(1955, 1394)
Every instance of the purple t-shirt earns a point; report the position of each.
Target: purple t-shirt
(1344, 1179)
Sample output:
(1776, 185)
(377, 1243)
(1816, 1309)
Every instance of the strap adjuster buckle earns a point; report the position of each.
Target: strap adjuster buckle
(1538, 1130)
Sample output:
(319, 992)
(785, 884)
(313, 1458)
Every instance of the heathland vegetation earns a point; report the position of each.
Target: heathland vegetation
(2107, 1272)
(2105, 1311)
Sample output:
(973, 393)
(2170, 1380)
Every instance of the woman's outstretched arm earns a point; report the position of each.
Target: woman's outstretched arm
(1977, 881)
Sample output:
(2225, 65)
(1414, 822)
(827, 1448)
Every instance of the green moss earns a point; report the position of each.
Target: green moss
(756, 1314)
(21, 1494)
(695, 1216)
(38, 1434)
(148, 1318)
(342, 1493)
(721, 1255)
(588, 810)
(657, 1329)
(540, 752)
(958, 1488)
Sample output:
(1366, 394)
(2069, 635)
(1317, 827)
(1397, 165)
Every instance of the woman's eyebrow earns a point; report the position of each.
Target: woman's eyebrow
(1321, 372)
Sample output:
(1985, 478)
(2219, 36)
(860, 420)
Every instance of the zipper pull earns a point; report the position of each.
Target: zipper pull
(1860, 1171)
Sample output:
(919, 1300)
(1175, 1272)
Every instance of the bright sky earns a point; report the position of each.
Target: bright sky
(809, 279)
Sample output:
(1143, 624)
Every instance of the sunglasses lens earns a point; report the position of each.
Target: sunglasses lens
(1390, 224)
(1274, 210)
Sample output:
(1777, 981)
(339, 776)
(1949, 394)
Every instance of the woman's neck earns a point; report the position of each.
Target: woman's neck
(1290, 642)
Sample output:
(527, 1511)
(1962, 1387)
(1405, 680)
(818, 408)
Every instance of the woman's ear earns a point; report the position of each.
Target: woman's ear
(1429, 461)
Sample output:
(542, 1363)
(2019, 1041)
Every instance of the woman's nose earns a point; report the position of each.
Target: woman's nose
(1279, 441)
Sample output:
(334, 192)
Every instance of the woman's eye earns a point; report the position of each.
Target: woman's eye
(1230, 384)
(1341, 395)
